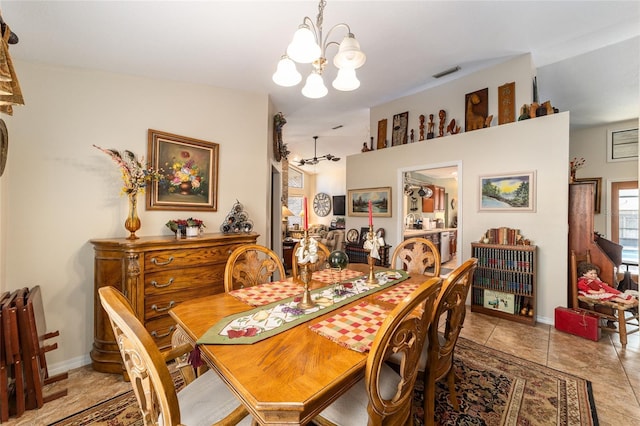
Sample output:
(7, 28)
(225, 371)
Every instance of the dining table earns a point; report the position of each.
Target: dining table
(287, 378)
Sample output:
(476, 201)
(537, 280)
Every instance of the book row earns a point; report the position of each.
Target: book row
(514, 260)
(514, 282)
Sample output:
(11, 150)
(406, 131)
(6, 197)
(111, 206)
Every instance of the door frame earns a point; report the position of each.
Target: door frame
(400, 206)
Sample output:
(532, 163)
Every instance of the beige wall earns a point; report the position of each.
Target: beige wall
(539, 145)
(58, 192)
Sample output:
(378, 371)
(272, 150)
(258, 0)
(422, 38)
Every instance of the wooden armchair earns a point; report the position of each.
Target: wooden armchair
(252, 264)
(206, 400)
(624, 316)
(417, 256)
(323, 257)
(385, 396)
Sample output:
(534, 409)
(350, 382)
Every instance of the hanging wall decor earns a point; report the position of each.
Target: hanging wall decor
(476, 109)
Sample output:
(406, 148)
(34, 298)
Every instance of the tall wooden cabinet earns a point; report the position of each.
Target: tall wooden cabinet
(156, 274)
(435, 203)
(504, 284)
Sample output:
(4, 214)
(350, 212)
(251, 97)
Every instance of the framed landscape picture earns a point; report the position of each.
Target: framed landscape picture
(380, 201)
(189, 169)
(508, 192)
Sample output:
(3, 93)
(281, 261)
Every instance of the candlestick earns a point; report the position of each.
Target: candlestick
(306, 214)
(305, 276)
(371, 278)
(370, 215)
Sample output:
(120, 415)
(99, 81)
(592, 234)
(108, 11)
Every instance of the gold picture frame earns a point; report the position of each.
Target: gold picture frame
(190, 173)
(380, 199)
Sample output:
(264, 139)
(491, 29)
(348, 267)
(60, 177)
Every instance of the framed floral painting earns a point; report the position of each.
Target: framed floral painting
(189, 173)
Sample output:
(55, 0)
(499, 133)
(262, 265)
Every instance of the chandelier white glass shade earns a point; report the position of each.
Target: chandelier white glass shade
(309, 47)
(316, 159)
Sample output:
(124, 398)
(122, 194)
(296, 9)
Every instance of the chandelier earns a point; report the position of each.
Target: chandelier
(316, 159)
(309, 47)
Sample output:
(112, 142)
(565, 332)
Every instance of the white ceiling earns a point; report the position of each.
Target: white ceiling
(586, 52)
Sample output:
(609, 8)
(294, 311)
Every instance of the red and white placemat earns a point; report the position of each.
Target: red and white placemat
(397, 293)
(329, 276)
(354, 328)
(264, 294)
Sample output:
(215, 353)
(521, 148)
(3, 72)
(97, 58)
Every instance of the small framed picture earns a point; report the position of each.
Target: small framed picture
(622, 145)
(190, 173)
(508, 192)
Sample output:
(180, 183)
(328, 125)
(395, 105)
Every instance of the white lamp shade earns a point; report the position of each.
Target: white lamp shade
(286, 74)
(314, 88)
(304, 47)
(346, 80)
(349, 54)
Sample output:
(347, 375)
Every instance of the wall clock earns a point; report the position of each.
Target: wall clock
(322, 204)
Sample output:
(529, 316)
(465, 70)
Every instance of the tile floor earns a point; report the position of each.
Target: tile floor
(613, 371)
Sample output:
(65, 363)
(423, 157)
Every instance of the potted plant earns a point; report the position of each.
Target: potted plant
(190, 227)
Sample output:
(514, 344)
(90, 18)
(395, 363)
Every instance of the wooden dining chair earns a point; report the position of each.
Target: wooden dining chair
(624, 317)
(437, 356)
(206, 400)
(252, 264)
(417, 256)
(323, 258)
(33, 336)
(384, 396)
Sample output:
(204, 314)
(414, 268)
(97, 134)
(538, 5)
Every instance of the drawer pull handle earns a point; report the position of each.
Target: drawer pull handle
(156, 285)
(160, 336)
(155, 261)
(155, 307)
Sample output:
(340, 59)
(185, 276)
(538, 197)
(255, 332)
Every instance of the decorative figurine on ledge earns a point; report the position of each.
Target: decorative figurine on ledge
(421, 118)
(452, 128)
(443, 118)
(432, 126)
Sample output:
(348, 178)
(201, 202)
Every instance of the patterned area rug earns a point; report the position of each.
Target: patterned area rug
(493, 388)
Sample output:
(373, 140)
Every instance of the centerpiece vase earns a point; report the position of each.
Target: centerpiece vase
(132, 224)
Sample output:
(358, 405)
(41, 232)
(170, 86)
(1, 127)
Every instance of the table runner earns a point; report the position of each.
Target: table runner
(268, 320)
(263, 294)
(354, 328)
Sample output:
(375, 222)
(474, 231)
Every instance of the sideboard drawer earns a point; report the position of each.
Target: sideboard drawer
(177, 259)
(177, 280)
(161, 329)
(160, 304)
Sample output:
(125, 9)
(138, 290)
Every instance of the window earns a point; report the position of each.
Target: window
(624, 219)
(296, 179)
(295, 205)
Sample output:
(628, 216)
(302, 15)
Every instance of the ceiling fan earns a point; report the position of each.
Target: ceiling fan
(316, 159)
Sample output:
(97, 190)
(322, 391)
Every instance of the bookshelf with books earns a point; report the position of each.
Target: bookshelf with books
(504, 284)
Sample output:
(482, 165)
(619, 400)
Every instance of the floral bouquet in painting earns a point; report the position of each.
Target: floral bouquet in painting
(185, 176)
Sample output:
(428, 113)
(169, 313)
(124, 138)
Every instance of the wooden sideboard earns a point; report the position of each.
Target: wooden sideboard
(156, 274)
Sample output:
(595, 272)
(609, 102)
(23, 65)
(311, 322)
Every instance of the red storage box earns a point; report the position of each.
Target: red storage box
(580, 323)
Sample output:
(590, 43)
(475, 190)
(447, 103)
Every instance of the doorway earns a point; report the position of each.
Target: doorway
(432, 200)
